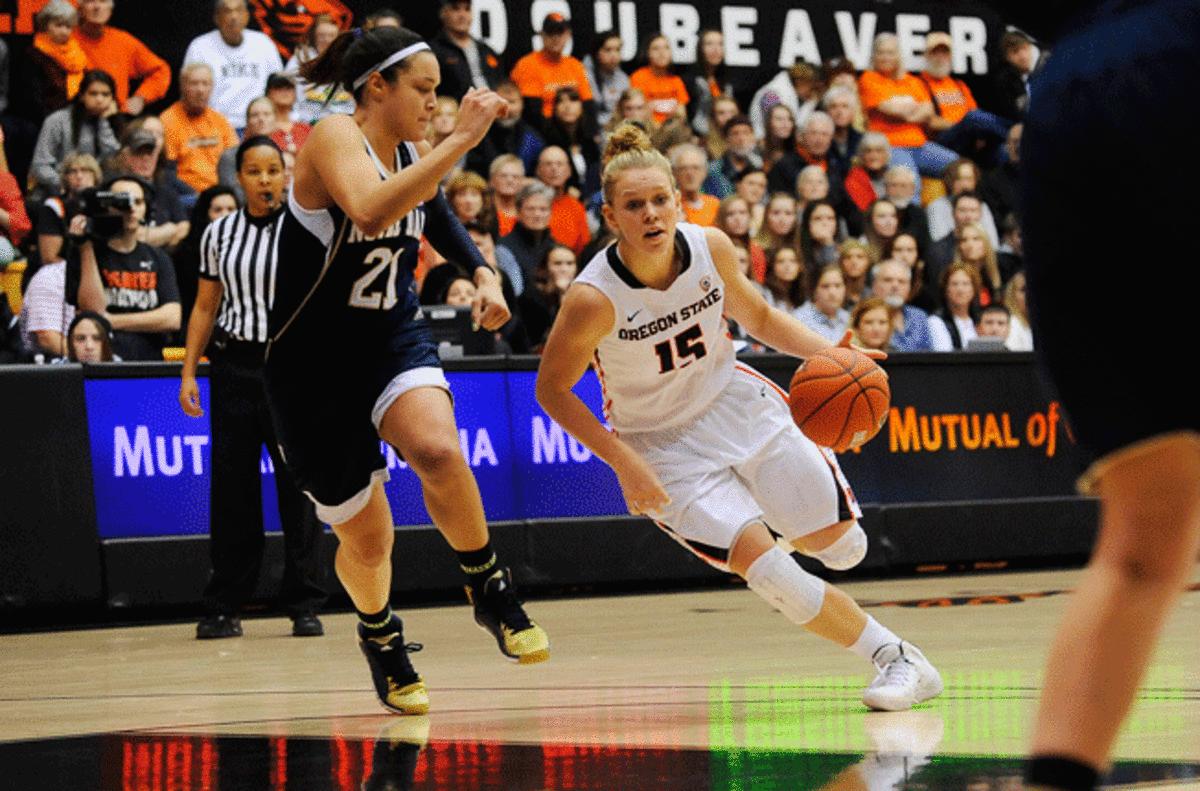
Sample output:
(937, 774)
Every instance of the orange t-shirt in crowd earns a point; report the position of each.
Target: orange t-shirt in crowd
(568, 223)
(126, 58)
(196, 143)
(704, 214)
(505, 222)
(536, 75)
(952, 98)
(874, 89)
(664, 95)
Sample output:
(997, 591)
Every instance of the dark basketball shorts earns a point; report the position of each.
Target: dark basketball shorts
(1113, 278)
(327, 406)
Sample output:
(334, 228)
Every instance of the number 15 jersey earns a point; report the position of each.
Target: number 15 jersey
(669, 353)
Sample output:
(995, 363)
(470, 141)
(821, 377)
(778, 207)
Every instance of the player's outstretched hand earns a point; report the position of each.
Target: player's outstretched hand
(489, 310)
(643, 492)
(189, 397)
(874, 354)
(478, 108)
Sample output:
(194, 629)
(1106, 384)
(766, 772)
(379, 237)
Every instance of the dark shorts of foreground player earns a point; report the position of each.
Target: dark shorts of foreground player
(1114, 279)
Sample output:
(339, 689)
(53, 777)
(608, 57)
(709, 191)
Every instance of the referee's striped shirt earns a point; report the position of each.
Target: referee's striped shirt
(241, 252)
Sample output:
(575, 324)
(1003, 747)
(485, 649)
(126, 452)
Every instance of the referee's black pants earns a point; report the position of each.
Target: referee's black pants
(241, 425)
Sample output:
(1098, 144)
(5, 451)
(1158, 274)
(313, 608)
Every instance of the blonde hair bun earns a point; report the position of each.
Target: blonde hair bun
(626, 138)
(630, 148)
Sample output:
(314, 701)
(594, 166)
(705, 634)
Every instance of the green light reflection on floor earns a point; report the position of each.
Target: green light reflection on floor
(981, 710)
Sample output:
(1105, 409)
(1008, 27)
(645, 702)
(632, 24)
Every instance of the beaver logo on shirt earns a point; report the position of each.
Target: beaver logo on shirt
(706, 283)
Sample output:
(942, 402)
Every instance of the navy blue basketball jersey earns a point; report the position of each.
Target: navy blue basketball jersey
(336, 284)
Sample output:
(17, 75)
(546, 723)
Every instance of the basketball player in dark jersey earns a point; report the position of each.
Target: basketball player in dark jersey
(1107, 116)
(351, 358)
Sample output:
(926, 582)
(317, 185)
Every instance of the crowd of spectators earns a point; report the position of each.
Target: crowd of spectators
(882, 201)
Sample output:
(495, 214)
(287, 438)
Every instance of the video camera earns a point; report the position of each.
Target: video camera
(105, 211)
(97, 203)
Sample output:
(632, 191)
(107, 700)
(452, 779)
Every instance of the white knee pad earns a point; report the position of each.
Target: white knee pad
(785, 586)
(845, 553)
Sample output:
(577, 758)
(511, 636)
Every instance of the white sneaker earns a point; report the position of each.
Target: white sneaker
(905, 678)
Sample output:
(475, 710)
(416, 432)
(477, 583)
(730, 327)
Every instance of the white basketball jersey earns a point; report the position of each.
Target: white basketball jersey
(669, 353)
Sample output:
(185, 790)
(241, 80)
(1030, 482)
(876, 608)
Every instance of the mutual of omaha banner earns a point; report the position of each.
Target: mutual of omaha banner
(957, 431)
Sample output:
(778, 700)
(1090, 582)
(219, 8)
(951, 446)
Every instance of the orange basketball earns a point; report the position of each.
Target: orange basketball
(840, 398)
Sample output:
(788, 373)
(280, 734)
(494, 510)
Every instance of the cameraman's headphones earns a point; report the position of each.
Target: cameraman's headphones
(148, 191)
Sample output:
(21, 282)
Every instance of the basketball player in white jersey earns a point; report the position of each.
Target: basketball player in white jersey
(701, 443)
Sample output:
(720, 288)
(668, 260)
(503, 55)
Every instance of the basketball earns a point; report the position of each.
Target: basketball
(839, 398)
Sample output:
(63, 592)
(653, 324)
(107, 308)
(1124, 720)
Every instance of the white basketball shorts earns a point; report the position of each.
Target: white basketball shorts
(743, 460)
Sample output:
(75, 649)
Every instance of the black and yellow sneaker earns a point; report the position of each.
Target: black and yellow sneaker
(399, 687)
(498, 611)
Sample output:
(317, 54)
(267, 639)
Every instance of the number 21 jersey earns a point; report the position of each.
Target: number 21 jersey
(335, 285)
(669, 353)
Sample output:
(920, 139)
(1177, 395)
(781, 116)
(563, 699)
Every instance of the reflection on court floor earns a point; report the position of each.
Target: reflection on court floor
(707, 690)
(401, 758)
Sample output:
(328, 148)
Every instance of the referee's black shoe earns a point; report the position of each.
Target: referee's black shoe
(307, 625)
(399, 687)
(217, 626)
(499, 612)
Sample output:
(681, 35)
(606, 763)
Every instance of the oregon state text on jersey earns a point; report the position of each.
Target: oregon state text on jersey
(665, 323)
(335, 280)
(669, 353)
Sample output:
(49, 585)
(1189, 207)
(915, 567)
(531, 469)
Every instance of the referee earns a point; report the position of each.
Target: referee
(237, 277)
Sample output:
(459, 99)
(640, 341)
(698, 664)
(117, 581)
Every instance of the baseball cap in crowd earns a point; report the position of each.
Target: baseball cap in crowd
(555, 23)
(140, 141)
(280, 79)
(1014, 37)
(938, 39)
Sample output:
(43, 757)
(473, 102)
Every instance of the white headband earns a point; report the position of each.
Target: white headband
(390, 60)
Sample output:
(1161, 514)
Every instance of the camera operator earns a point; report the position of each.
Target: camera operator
(46, 313)
(129, 282)
(141, 155)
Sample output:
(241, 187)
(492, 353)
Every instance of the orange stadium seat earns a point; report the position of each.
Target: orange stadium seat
(10, 283)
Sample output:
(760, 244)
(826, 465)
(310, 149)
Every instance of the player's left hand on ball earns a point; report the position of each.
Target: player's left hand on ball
(489, 310)
(874, 354)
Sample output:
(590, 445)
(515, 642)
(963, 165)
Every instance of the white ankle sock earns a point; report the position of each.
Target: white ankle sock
(874, 635)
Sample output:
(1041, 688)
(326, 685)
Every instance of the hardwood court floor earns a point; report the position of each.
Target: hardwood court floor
(689, 690)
